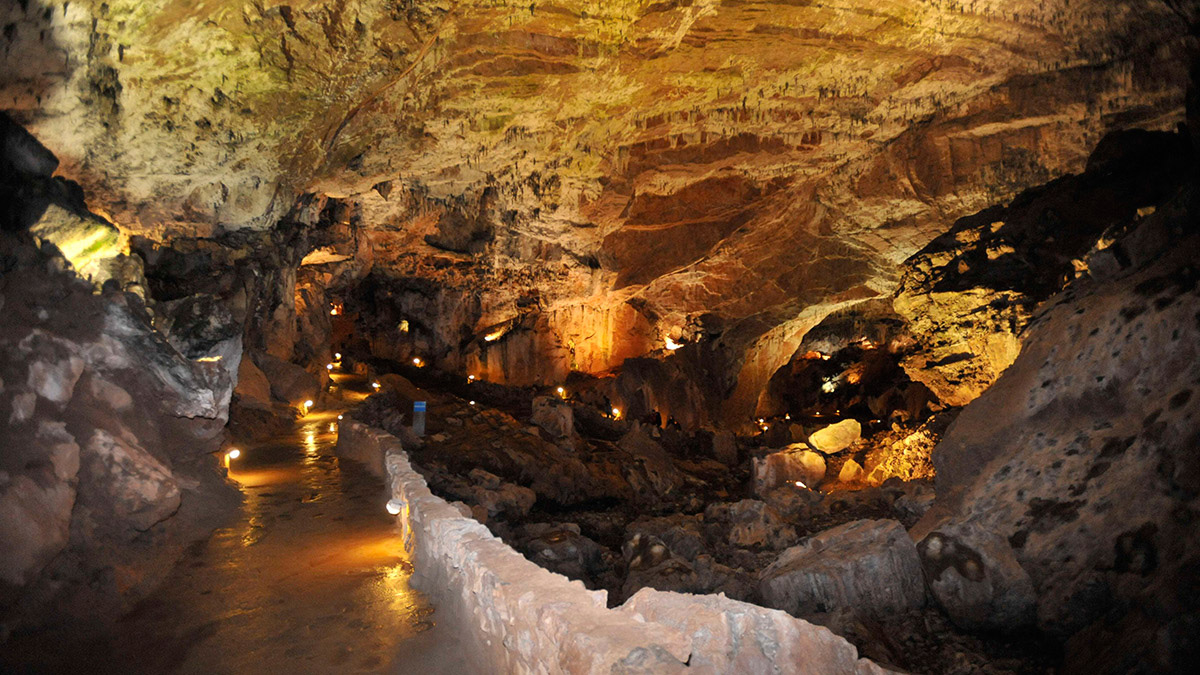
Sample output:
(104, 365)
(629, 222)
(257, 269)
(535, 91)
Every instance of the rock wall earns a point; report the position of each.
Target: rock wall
(108, 436)
(524, 619)
(1067, 491)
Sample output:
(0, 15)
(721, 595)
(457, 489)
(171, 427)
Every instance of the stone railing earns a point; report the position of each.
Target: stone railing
(521, 618)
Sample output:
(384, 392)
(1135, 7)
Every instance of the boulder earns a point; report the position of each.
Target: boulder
(556, 417)
(673, 573)
(725, 449)
(252, 384)
(974, 575)
(289, 382)
(870, 566)
(682, 534)
(201, 327)
(785, 467)
(836, 437)
(851, 472)
(561, 548)
(127, 479)
(752, 523)
(652, 465)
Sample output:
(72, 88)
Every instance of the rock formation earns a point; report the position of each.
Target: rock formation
(595, 177)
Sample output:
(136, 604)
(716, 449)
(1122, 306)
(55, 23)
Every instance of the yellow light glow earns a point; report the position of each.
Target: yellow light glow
(671, 344)
(308, 404)
(800, 485)
(332, 427)
(337, 356)
(234, 453)
(787, 416)
(616, 412)
(470, 378)
(209, 359)
(375, 385)
(494, 335)
(333, 312)
(561, 391)
(403, 326)
(417, 362)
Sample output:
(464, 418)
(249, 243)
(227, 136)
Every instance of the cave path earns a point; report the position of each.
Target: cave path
(310, 578)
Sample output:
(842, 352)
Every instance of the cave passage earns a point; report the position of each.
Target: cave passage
(311, 577)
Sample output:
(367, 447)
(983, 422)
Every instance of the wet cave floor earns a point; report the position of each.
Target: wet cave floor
(311, 578)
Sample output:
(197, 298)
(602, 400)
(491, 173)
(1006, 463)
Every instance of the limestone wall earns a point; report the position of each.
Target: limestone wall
(524, 619)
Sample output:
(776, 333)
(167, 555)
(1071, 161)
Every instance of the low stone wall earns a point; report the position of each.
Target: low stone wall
(525, 619)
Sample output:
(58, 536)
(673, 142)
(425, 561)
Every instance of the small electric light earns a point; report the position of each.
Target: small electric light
(671, 344)
(328, 366)
(337, 356)
(234, 453)
(561, 391)
(787, 416)
(417, 362)
(394, 506)
(308, 404)
(472, 402)
(616, 413)
(332, 426)
(339, 416)
(800, 485)
(761, 420)
(375, 386)
(470, 378)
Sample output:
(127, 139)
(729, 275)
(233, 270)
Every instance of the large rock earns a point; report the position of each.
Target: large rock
(975, 577)
(140, 489)
(252, 384)
(870, 566)
(290, 383)
(752, 523)
(201, 327)
(1082, 455)
(836, 437)
(556, 417)
(652, 464)
(786, 467)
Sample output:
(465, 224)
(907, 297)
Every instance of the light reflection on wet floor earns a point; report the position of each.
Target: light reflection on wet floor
(311, 578)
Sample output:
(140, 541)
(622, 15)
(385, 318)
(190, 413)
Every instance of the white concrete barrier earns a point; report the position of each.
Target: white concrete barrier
(521, 618)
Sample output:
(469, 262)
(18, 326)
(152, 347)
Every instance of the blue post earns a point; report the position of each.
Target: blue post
(419, 418)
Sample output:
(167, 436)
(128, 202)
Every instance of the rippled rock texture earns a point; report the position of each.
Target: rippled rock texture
(597, 176)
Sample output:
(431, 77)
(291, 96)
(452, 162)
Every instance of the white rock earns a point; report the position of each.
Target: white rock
(836, 437)
(851, 471)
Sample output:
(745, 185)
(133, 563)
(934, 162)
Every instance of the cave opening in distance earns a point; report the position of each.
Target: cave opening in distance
(749, 319)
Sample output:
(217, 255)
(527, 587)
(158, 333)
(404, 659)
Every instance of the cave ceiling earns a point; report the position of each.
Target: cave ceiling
(633, 165)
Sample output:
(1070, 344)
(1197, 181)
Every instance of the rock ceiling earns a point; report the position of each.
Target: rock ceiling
(761, 163)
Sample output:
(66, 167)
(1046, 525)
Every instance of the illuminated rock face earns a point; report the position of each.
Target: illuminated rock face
(618, 169)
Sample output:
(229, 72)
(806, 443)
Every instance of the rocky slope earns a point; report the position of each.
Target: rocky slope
(1067, 491)
(606, 174)
(110, 426)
